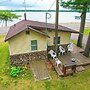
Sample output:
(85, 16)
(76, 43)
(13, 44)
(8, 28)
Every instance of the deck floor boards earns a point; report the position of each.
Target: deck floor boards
(66, 59)
(79, 57)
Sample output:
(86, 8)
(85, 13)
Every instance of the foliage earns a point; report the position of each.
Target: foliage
(76, 4)
(86, 31)
(15, 71)
(74, 41)
(82, 6)
(8, 16)
(47, 85)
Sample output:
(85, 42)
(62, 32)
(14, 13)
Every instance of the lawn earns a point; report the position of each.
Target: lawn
(86, 31)
(80, 81)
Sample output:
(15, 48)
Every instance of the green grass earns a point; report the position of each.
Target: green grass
(80, 81)
(74, 41)
(86, 31)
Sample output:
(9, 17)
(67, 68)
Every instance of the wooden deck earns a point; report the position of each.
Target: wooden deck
(66, 59)
(81, 60)
(59, 71)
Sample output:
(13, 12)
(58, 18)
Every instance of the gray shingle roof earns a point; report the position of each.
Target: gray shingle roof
(24, 24)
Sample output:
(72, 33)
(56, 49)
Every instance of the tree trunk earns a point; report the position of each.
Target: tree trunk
(87, 49)
(82, 26)
(2, 23)
(56, 28)
(6, 23)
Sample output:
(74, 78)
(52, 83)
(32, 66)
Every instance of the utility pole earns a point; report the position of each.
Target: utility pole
(56, 27)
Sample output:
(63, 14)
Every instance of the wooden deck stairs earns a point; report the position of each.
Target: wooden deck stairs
(59, 71)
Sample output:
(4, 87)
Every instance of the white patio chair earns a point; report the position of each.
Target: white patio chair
(57, 62)
(62, 50)
(70, 47)
(52, 53)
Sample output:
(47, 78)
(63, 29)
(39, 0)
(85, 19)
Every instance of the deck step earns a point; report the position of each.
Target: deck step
(80, 68)
(58, 70)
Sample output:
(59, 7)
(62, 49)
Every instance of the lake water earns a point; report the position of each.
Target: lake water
(64, 17)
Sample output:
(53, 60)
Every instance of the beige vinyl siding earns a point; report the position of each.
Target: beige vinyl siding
(21, 43)
(64, 37)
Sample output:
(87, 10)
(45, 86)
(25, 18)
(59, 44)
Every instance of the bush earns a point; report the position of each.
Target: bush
(15, 71)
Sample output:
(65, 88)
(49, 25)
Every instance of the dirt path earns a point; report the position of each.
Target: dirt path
(39, 70)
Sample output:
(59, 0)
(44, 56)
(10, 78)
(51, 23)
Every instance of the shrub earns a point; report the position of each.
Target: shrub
(15, 71)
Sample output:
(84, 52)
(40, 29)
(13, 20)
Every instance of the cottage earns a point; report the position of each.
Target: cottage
(28, 40)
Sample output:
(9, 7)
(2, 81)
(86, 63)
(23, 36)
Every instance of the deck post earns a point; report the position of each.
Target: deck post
(64, 70)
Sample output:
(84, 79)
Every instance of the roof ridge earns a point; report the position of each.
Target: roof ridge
(38, 31)
(22, 25)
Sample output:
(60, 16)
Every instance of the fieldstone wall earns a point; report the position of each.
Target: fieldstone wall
(25, 59)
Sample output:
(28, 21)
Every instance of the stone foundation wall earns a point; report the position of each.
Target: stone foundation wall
(25, 59)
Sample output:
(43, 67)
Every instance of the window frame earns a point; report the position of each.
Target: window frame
(34, 46)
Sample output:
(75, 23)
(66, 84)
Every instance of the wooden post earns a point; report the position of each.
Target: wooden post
(64, 70)
(56, 27)
(74, 68)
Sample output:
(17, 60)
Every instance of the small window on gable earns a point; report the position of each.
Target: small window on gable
(27, 32)
(58, 41)
(33, 44)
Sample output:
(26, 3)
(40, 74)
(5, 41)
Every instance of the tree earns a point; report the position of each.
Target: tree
(87, 49)
(82, 6)
(6, 16)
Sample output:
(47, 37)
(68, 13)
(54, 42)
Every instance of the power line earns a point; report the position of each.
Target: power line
(52, 5)
(49, 13)
(46, 17)
(24, 5)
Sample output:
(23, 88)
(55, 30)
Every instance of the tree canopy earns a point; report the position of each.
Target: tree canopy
(82, 6)
(76, 4)
(8, 16)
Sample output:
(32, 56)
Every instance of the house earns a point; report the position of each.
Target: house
(28, 40)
